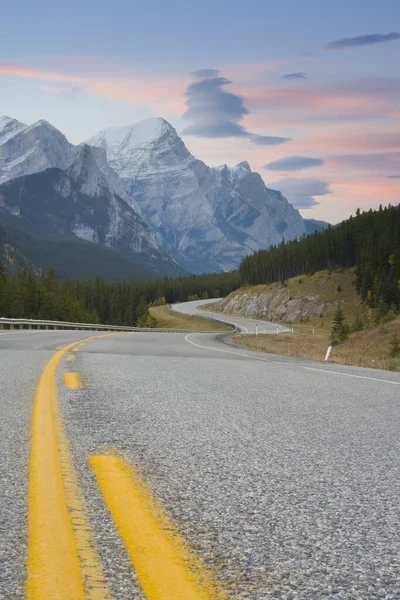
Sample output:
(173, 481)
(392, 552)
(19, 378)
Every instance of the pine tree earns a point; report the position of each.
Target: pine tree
(339, 330)
(3, 291)
(394, 346)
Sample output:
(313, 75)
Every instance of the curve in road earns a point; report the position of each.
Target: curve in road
(242, 324)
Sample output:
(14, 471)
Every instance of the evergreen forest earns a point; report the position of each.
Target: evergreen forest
(370, 241)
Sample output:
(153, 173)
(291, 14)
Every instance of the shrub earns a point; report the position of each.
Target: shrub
(381, 311)
(159, 301)
(394, 346)
(388, 317)
(359, 324)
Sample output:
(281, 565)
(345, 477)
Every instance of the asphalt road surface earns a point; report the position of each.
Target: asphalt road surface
(280, 475)
(243, 324)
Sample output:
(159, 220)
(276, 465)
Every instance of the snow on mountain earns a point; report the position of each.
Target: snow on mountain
(146, 146)
(79, 201)
(30, 149)
(9, 127)
(206, 218)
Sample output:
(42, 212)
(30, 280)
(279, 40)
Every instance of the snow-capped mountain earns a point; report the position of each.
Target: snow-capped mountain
(30, 149)
(79, 201)
(205, 218)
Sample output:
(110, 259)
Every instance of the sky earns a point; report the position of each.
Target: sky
(307, 91)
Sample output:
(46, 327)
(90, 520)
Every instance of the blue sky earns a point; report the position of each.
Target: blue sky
(322, 115)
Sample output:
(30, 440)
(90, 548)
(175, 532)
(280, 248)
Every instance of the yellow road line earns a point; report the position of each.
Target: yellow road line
(164, 566)
(72, 380)
(94, 581)
(52, 564)
(75, 349)
(71, 357)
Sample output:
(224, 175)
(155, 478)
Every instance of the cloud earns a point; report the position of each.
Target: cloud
(367, 96)
(216, 113)
(293, 163)
(114, 83)
(370, 162)
(294, 76)
(63, 91)
(205, 73)
(213, 111)
(70, 92)
(394, 177)
(301, 192)
(363, 40)
(268, 140)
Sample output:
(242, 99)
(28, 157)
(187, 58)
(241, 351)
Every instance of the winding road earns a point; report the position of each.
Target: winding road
(242, 324)
(171, 466)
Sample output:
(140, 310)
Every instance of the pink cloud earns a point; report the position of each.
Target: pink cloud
(32, 73)
(370, 97)
(368, 191)
(158, 92)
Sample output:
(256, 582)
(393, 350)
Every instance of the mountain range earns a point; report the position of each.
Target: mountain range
(136, 197)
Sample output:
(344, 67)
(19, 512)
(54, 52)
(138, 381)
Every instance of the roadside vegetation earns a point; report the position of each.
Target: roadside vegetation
(32, 294)
(360, 288)
(361, 335)
(371, 348)
(169, 319)
(370, 242)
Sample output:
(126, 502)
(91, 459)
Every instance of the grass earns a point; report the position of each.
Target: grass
(368, 348)
(311, 337)
(173, 320)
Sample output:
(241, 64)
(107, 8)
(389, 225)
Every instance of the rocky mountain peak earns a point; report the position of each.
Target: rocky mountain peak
(150, 146)
(144, 133)
(31, 149)
(244, 165)
(9, 127)
(85, 172)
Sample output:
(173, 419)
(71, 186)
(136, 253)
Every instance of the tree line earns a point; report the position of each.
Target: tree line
(41, 295)
(370, 241)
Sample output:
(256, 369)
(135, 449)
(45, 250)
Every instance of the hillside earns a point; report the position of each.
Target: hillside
(69, 256)
(308, 304)
(11, 254)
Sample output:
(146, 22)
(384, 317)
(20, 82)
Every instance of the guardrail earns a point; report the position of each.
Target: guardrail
(46, 324)
(38, 324)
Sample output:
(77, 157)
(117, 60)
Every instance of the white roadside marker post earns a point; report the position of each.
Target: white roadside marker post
(256, 328)
(328, 353)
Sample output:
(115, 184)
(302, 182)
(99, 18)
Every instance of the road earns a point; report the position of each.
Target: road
(281, 476)
(242, 324)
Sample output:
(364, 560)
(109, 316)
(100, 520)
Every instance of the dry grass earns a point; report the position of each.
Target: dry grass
(174, 320)
(213, 307)
(369, 348)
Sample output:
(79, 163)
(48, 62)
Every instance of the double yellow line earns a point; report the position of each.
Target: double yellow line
(63, 563)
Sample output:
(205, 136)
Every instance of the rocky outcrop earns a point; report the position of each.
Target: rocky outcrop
(273, 305)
